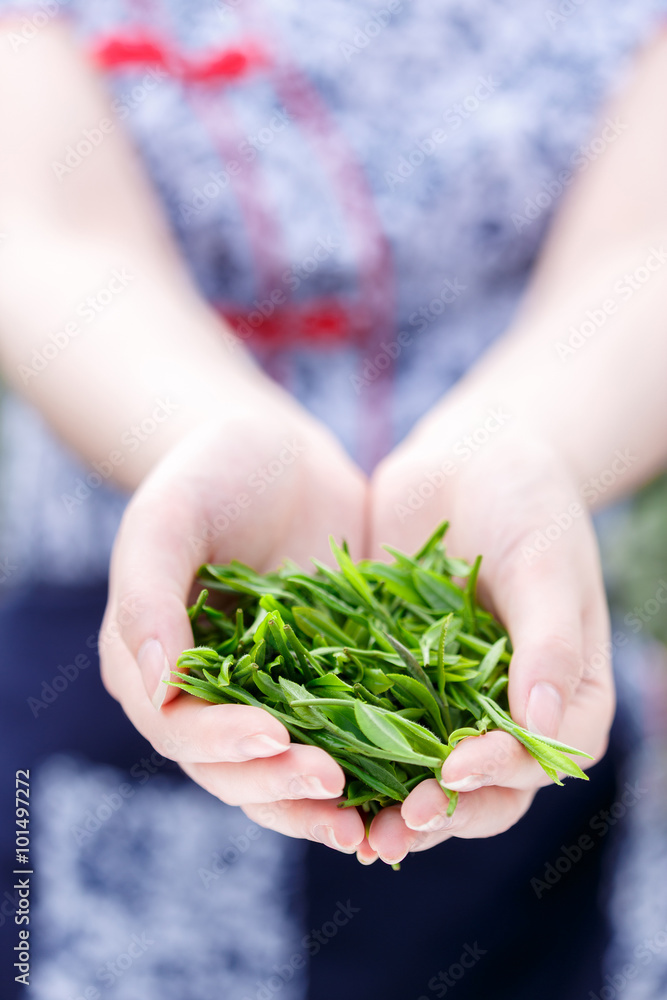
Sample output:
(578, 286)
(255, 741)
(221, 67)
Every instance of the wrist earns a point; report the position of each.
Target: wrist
(233, 397)
(472, 440)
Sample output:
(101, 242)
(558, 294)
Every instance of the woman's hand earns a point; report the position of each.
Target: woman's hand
(499, 499)
(258, 486)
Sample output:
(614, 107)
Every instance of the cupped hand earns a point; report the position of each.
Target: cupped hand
(514, 500)
(257, 486)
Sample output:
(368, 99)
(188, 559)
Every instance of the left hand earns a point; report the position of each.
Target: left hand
(552, 603)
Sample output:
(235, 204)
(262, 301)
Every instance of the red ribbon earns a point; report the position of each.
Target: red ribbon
(228, 64)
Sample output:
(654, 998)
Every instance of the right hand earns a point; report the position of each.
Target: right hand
(189, 510)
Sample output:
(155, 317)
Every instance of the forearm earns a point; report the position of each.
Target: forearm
(116, 357)
(599, 398)
(100, 325)
(585, 360)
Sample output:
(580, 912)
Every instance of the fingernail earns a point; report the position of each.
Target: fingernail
(544, 710)
(155, 670)
(366, 861)
(392, 861)
(468, 784)
(260, 745)
(307, 786)
(325, 835)
(438, 822)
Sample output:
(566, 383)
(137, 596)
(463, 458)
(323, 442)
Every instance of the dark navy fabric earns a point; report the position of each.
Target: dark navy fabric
(474, 898)
(41, 629)
(371, 932)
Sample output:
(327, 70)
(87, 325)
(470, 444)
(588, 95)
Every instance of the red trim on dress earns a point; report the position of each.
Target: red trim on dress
(138, 49)
(369, 318)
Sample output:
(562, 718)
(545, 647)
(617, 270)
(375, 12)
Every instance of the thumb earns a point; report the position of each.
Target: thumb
(155, 559)
(541, 609)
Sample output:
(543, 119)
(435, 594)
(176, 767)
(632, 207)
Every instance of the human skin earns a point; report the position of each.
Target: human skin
(566, 420)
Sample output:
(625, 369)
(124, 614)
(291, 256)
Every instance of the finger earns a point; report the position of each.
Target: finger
(394, 480)
(365, 853)
(189, 729)
(422, 821)
(393, 839)
(588, 720)
(541, 605)
(321, 822)
(484, 813)
(493, 759)
(302, 772)
(152, 569)
(390, 838)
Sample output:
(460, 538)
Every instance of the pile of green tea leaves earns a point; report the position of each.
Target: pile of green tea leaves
(385, 666)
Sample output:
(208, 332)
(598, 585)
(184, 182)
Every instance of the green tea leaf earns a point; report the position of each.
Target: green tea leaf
(395, 580)
(489, 663)
(384, 730)
(195, 610)
(461, 734)
(312, 623)
(330, 686)
(356, 579)
(384, 667)
(469, 597)
(432, 541)
(437, 591)
(378, 777)
(403, 685)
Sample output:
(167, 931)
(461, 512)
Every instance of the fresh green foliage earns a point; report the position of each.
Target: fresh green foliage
(633, 540)
(385, 666)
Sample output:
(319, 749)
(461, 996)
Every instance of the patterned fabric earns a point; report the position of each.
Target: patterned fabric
(637, 959)
(137, 871)
(361, 190)
(338, 176)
